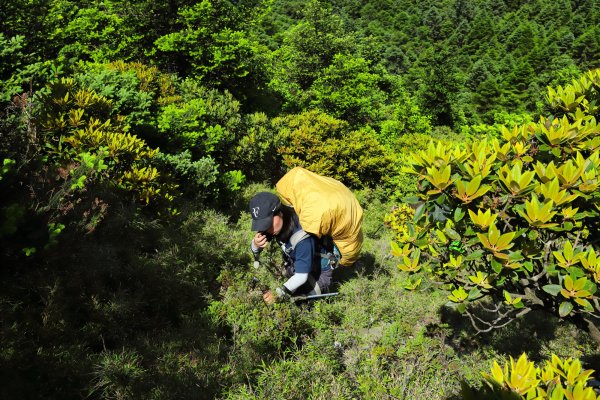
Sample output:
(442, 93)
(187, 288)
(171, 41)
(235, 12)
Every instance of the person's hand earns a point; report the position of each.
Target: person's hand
(283, 293)
(260, 240)
(280, 294)
(269, 297)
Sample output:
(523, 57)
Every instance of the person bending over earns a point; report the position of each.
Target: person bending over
(307, 263)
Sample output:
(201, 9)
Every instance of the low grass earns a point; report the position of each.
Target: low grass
(376, 340)
(185, 319)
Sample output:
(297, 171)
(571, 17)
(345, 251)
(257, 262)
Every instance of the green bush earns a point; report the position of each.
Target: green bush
(403, 184)
(195, 177)
(72, 162)
(352, 90)
(78, 122)
(19, 70)
(117, 375)
(328, 146)
(93, 33)
(123, 315)
(136, 91)
(558, 379)
(255, 152)
(202, 124)
(204, 121)
(514, 220)
(184, 123)
(211, 43)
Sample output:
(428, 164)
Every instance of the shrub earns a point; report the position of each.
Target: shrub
(136, 91)
(204, 121)
(556, 380)
(72, 161)
(353, 90)
(82, 119)
(195, 177)
(258, 332)
(326, 145)
(117, 374)
(198, 131)
(255, 152)
(514, 220)
(402, 183)
(20, 70)
(211, 43)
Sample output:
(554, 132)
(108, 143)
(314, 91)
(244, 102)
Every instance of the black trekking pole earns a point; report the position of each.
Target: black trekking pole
(313, 296)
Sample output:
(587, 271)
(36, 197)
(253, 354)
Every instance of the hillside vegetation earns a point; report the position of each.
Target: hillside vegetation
(134, 133)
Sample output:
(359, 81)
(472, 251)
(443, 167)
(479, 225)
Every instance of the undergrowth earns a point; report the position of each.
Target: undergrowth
(374, 340)
(176, 312)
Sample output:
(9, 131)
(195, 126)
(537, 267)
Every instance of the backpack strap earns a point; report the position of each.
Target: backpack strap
(297, 237)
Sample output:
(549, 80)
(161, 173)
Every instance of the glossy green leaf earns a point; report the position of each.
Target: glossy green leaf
(474, 255)
(452, 234)
(419, 212)
(458, 215)
(552, 289)
(565, 308)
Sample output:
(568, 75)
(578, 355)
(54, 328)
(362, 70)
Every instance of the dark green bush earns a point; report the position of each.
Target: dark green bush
(326, 145)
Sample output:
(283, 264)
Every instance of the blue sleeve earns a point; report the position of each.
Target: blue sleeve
(304, 254)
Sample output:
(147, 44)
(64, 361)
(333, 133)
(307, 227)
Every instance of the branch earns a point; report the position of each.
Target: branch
(502, 320)
(432, 258)
(497, 308)
(577, 238)
(524, 311)
(547, 250)
(531, 296)
(490, 327)
(596, 304)
(525, 282)
(492, 323)
(508, 218)
(537, 277)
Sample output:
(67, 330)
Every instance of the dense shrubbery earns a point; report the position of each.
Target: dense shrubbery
(211, 44)
(123, 314)
(114, 113)
(73, 161)
(20, 68)
(514, 220)
(351, 90)
(136, 91)
(205, 121)
(402, 183)
(322, 143)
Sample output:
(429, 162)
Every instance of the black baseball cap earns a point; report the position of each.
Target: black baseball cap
(262, 208)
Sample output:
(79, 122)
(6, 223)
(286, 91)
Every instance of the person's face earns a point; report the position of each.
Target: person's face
(275, 229)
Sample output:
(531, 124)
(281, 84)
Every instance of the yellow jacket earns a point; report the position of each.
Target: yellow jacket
(325, 207)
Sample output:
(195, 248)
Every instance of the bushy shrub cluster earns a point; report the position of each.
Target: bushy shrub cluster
(322, 143)
(403, 184)
(81, 131)
(514, 220)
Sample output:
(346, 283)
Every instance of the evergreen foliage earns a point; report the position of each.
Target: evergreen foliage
(318, 142)
(514, 220)
(133, 133)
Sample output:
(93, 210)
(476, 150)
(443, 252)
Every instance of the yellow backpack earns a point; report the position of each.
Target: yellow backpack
(325, 207)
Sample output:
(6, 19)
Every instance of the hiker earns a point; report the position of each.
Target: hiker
(308, 264)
